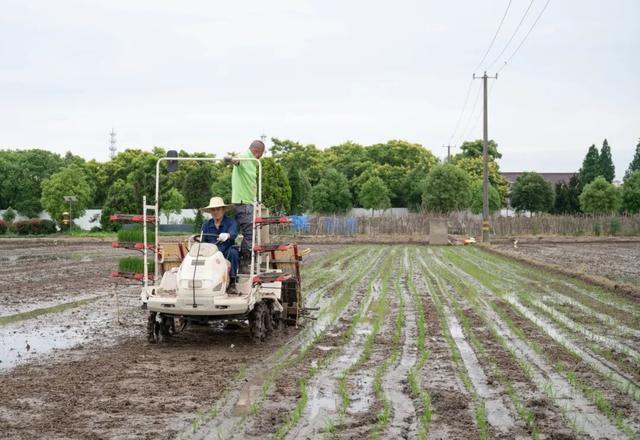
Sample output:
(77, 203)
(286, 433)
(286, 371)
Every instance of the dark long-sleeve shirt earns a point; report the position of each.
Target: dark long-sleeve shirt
(226, 225)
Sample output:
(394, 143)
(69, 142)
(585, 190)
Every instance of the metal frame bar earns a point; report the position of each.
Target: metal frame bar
(256, 204)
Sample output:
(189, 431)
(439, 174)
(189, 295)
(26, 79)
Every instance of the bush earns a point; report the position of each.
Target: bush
(600, 197)
(35, 227)
(3, 227)
(597, 229)
(9, 215)
(614, 226)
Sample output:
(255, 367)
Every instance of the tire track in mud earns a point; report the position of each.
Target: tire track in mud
(489, 398)
(403, 423)
(605, 367)
(271, 372)
(580, 413)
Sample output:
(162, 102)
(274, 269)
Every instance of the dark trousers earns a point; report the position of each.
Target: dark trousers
(232, 255)
(244, 217)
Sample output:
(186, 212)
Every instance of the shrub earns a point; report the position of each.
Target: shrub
(9, 215)
(134, 265)
(3, 227)
(35, 227)
(600, 197)
(614, 226)
(597, 229)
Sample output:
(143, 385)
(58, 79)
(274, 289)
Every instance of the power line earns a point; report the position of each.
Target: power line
(464, 107)
(466, 98)
(470, 118)
(493, 40)
(512, 35)
(526, 36)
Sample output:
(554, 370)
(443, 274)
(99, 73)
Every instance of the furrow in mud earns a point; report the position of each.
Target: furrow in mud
(488, 284)
(324, 398)
(581, 413)
(452, 414)
(279, 399)
(499, 415)
(403, 423)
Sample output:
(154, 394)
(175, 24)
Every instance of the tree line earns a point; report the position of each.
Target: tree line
(300, 178)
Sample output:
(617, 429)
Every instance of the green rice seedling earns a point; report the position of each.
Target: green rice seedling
(136, 235)
(134, 265)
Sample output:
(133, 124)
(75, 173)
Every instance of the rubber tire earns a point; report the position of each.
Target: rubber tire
(259, 319)
(277, 324)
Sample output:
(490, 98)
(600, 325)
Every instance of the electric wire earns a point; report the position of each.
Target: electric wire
(526, 36)
(473, 111)
(469, 87)
(512, 35)
(493, 40)
(464, 107)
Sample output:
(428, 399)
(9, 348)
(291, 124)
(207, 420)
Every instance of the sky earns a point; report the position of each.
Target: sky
(212, 76)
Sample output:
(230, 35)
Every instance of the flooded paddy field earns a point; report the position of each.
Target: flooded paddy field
(408, 342)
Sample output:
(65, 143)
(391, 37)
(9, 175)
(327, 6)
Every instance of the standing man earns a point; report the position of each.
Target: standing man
(243, 193)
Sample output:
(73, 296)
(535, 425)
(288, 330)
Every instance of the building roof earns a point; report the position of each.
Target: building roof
(549, 177)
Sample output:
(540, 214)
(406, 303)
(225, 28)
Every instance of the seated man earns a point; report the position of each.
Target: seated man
(222, 231)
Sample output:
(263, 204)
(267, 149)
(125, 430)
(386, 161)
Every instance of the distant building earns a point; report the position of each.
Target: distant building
(552, 178)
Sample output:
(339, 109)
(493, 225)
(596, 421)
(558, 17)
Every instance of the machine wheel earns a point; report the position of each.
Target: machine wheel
(177, 326)
(259, 322)
(276, 324)
(157, 332)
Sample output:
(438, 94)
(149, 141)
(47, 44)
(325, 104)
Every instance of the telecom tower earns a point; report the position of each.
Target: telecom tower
(112, 147)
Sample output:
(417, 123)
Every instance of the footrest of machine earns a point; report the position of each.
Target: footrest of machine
(271, 277)
(270, 247)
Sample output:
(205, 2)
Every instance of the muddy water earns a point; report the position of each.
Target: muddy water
(32, 339)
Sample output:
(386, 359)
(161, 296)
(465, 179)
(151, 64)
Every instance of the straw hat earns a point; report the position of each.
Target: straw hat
(215, 202)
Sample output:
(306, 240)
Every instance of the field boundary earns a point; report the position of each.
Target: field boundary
(605, 283)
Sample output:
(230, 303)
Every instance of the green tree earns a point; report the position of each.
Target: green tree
(566, 197)
(476, 198)
(600, 197)
(631, 193)
(607, 169)
(590, 167)
(172, 204)
(300, 192)
(120, 200)
(374, 194)
(532, 193)
(474, 149)
(9, 215)
(66, 182)
(276, 191)
(474, 167)
(635, 162)
(446, 189)
(221, 186)
(305, 158)
(22, 174)
(331, 195)
(196, 185)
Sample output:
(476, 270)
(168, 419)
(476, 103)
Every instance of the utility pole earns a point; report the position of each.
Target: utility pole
(485, 161)
(449, 147)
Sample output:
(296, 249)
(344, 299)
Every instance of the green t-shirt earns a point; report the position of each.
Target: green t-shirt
(244, 180)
